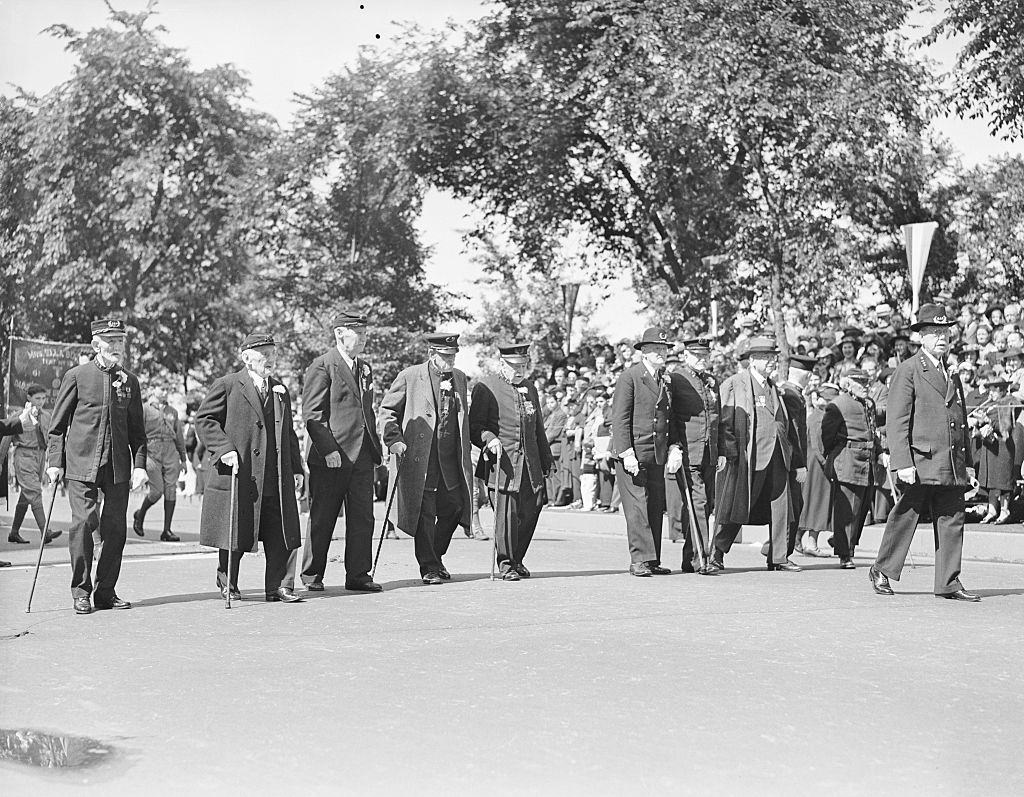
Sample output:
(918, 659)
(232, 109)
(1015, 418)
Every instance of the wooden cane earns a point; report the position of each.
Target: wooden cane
(494, 506)
(387, 514)
(231, 528)
(42, 542)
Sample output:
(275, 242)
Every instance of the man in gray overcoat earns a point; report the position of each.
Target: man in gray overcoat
(245, 422)
(424, 422)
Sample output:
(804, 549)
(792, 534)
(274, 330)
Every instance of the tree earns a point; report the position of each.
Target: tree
(988, 80)
(126, 180)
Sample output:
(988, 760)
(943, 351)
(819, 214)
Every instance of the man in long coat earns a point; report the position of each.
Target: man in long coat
(97, 442)
(424, 422)
(851, 450)
(344, 451)
(792, 390)
(245, 423)
(930, 455)
(761, 445)
(505, 422)
(641, 438)
(26, 421)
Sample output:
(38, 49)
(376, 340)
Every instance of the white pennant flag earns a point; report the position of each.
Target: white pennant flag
(918, 239)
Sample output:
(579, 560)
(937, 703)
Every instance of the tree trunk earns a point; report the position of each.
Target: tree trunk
(775, 300)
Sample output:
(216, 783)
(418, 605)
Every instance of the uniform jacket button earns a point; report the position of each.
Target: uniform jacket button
(256, 451)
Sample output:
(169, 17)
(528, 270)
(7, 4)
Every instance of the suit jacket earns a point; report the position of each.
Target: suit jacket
(554, 426)
(231, 419)
(926, 423)
(640, 416)
(848, 437)
(512, 414)
(738, 444)
(336, 417)
(87, 405)
(796, 406)
(408, 414)
(696, 407)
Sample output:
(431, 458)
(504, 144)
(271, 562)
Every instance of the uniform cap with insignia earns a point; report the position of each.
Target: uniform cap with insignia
(108, 326)
(700, 344)
(762, 344)
(802, 361)
(514, 353)
(348, 318)
(444, 342)
(653, 335)
(931, 315)
(256, 339)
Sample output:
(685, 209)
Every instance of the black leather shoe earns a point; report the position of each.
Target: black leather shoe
(717, 561)
(687, 568)
(658, 570)
(14, 536)
(82, 606)
(879, 581)
(364, 586)
(443, 572)
(707, 570)
(51, 536)
(847, 564)
(960, 595)
(522, 571)
(432, 578)
(113, 603)
(641, 569)
(283, 595)
(137, 524)
(315, 586)
(235, 594)
(786, 567)
(170, 536)
(510, 575)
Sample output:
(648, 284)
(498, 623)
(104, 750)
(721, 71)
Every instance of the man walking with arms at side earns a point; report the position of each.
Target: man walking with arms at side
(97, 442)
(337, 406)
(930, 455)
(165, 460)
(424, 422)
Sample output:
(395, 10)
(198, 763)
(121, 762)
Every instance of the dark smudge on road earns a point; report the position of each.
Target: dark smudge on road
(52, 751)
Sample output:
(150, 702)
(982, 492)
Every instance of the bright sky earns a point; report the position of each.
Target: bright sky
(288, 46)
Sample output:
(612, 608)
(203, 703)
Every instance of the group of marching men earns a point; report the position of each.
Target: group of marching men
(679, 442)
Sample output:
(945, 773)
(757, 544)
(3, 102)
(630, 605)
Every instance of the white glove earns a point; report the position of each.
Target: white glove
(55, 475)
(299, 480)
(631, 464)
(801, 475)
(494, 447)
(675, 461)
(721, 465)
(907, 475)
(398, 448)
(333, 460)
(139, 478)
(230, 458)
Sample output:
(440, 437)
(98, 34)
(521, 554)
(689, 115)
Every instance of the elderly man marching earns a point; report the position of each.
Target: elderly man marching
(165, 460)
(851, 449)
(640, 443)
(245, 422)
(97, 443)
(506, 423)
(337, 406)
(930, 454)
(761, 445)
(424, 422)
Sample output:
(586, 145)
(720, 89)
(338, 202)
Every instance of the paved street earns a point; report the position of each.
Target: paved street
(580, 680)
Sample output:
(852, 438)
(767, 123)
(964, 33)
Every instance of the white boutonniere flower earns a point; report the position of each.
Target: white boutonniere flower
(446, 384)
(365, 370)
(279, 389)
(666, 380)
(523, 390)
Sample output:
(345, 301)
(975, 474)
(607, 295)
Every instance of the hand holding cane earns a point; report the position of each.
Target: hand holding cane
(387, 514)
(494, 506)
(702, 555)
(231, 527)
(42, 542)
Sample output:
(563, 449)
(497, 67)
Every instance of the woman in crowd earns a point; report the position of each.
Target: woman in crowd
(998, 446)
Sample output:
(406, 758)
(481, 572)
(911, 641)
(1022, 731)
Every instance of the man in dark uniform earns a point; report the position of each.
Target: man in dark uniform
(97, 442)
(424, 422)
(337, 406)
(851, 448)
(696, 407)
(505, 423)
(26, 422)
(641, 439)
(165, 460)
(29, 463)
(930, 454)
(761, 445)
(245, 422)
(792, 390)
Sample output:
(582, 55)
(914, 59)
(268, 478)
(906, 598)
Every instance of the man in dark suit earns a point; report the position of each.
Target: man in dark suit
(641, 438)
(245, 423)
(696, 407)
(26, 422)
(792, 391)
(851, 450)
(424, 422)
(97, 442)
(761, 445)
(505, 423)
(930, 454)
(337, 406)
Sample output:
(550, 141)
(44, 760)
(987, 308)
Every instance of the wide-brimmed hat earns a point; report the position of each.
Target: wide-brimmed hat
(762, 344)
(991, 383)
(1009, 353)
(932, 315)
(653, 335)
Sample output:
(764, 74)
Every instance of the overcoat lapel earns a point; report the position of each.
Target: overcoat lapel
(249, 391)
(932, 375)
(341, 367)
(648, 380)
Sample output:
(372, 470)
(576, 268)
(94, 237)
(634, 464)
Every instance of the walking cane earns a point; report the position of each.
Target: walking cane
(494, 506)
(42, 542)
(387, 514)
(231, 528)
(702, 553)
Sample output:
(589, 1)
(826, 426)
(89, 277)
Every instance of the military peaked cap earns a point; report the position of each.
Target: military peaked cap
(443, 341)
(256, 339)
(108, 326)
